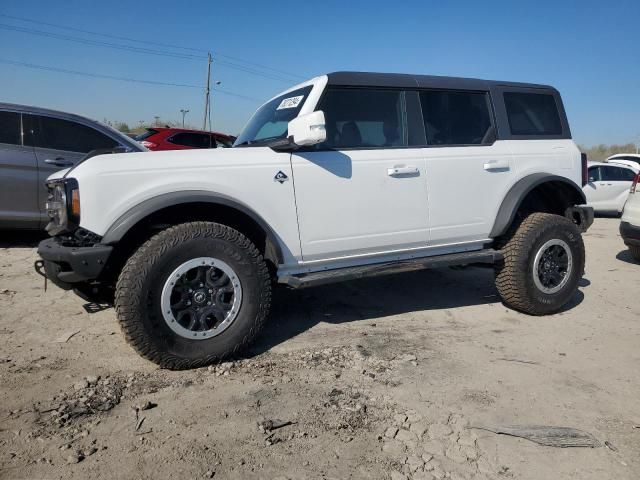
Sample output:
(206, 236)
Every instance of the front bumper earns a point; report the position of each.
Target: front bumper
(630, 234)
(66, 265)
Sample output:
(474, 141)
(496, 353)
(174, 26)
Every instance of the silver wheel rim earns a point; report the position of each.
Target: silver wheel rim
(201, 298)
(552, 266)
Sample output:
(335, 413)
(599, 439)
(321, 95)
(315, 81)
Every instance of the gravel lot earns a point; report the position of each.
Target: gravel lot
(379, 378)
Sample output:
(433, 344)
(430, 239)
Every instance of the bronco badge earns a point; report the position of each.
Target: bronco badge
(280, 177)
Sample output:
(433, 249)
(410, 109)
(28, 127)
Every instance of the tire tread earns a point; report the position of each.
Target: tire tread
(511, 277)
(130, 308)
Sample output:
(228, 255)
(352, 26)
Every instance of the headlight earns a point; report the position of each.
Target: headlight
(63, 205)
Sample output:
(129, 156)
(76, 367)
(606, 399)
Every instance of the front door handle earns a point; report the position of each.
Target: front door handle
(502, 164)
(402, 171)
(58, 162)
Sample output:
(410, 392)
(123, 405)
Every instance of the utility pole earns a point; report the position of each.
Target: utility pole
(207, 92)
(184, 112)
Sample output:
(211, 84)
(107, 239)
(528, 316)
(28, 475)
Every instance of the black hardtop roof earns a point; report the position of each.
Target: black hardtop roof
(403, 80)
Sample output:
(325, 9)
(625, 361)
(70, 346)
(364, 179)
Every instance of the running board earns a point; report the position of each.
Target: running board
(488, 256)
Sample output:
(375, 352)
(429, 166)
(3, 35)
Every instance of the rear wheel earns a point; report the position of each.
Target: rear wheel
(543, 263)
(192, 295)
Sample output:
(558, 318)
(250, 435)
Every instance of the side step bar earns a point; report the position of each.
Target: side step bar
(488, 256)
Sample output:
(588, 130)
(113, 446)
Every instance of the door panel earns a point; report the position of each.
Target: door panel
(468, 172)
(356, 202)
(18, 176)
(466, 186)
(607, 188)
(596, 189)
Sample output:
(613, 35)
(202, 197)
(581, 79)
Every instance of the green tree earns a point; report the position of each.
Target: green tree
(122, 127)
(602, 152)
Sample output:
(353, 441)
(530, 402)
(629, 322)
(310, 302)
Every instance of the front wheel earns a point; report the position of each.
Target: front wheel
(192, 295)
(543, 263)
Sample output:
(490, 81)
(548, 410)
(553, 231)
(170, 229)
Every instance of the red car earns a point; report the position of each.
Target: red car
(165, 138)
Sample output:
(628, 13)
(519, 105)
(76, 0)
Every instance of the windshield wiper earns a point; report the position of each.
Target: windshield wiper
(259, 142)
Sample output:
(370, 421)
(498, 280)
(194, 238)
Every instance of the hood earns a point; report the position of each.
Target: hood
(59, 174)
(167, 161)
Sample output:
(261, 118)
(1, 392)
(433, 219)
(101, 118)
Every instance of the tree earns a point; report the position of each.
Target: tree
(602, 152)
(122, 127)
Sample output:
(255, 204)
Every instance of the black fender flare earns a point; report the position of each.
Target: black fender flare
(134, 215)
(514, 197)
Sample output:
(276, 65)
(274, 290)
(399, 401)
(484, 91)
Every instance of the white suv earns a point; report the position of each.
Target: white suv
(345, 175)
(630, 224)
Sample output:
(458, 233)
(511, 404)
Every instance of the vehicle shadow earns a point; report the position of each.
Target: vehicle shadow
(625, 256)
(21, 238)
(295, 311)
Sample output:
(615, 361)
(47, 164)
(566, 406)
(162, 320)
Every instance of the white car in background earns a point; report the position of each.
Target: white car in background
(628, 159)
(630, 224)
(608, 186)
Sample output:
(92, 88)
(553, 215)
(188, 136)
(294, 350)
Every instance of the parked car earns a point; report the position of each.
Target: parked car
(630, 224)
(392, 173)
(34, 143)
(608, 186)
(629, 159)
(165, 138)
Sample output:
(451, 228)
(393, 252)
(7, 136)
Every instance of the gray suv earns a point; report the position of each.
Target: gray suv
(34, 143)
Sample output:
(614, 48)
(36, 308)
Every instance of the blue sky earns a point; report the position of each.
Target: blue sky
(589, 50)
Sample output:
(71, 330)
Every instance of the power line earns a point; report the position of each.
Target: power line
(100, 43)
(155, 43)
(106, 35)
(123, 79)
(146, 51)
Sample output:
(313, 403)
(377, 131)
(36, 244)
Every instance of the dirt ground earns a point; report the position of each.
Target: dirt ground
(379, 378)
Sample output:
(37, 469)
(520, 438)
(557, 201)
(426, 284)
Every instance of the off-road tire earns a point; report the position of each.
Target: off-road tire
(635, 252)
(514, 274)
(139, 288)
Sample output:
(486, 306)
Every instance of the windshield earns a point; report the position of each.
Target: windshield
(271, 120)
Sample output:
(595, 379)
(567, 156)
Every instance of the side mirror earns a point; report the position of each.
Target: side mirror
(307, 129)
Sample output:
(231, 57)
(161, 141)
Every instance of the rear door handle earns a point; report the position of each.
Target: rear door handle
(58, 162)
(502, 164)
(403, 171)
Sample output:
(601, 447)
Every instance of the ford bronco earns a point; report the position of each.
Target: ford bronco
(346, 175)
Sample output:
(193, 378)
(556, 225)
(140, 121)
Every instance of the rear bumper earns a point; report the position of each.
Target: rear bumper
(66, 265)
(630, 234)
(582, 216)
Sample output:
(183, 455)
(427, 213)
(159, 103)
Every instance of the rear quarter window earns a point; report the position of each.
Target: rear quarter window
(532, 114)
(193, 140)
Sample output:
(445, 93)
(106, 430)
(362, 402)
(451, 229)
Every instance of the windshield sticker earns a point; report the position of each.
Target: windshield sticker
(291, 102)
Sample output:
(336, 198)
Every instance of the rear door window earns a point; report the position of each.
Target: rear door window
(10, 128)
(456, 118)
(193, 140)
(627, 175)
(532, 114)
(58, 134)
(617, 174)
